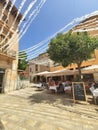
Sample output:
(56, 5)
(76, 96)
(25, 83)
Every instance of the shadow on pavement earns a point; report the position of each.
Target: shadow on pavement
(49, 98)
(1, 126)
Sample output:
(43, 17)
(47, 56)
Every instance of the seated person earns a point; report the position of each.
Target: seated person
(60, 87)
(68, 86)
(87, 86)
(52, 85)
(67, 83)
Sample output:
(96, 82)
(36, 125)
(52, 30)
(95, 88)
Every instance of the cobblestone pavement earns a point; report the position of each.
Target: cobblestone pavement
(28, 109)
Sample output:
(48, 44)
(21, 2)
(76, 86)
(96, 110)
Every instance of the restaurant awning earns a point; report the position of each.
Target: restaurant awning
(56, 73)
(44, 73)
(90, 69)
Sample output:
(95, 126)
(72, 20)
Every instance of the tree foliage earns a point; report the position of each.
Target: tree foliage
(72, 48)
(22, 62)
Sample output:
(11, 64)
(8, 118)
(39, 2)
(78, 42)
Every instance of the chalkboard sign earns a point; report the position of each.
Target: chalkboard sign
(79, 92)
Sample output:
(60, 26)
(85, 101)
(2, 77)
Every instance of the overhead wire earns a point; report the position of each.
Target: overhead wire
(39, 51)
(89, 29)
(34, 47)
(48, 39)
(34, 52)
(73, 21)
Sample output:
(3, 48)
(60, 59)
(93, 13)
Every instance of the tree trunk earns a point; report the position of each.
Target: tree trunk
(79, 70)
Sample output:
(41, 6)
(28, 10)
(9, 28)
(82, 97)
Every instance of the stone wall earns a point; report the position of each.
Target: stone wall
(22, 84)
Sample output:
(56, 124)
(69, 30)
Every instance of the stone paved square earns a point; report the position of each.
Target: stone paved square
(28, 109)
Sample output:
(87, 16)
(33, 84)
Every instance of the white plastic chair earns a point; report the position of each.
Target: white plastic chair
(92, 89)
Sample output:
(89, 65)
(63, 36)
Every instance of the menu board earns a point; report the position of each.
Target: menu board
(79, 92)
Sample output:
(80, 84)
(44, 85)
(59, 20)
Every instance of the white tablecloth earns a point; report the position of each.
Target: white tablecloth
(38, 85)
(67, 88)
(95, 92)
(53, 88)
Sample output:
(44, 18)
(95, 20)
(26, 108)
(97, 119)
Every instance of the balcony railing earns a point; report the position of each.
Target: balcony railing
(10, 53)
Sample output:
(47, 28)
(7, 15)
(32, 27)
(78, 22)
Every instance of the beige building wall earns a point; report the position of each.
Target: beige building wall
(9, 59)
(41, 63)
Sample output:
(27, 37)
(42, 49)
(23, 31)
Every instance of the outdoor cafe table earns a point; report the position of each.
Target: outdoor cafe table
(53, 88)
(38, 85)
(67, 88)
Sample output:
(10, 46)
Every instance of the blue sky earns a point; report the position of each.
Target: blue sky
(54, 15)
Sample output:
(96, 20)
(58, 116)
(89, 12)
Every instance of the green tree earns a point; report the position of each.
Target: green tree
(72, 48)
(22, 62)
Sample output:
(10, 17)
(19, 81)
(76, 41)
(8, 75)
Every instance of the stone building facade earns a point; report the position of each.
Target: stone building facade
(8, 56)
(39, 64)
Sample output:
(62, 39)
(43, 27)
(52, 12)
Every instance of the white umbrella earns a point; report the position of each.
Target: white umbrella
(90, 69)
(63, 72)
(56, 73)
(44, 73)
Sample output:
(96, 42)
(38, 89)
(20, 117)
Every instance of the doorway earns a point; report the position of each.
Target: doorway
(2, 72)
(1, 83)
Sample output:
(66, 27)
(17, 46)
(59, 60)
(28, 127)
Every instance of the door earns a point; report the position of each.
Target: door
(1, 82)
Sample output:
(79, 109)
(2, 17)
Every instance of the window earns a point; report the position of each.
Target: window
(1, 37)
(36, 67)
(4, 42)
(4, 18)
(56, 64)
(30, 69)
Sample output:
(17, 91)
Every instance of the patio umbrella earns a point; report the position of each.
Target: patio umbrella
(56, 73)
(44, 73)
(90, 69)
(63, 72)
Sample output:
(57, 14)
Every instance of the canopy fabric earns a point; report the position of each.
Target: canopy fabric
(90, 69)
(62, 72)
(56, 73)
(42, 73)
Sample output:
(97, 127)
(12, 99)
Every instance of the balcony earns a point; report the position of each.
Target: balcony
(11, 54)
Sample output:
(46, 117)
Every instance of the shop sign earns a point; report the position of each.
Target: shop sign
(79, 92)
